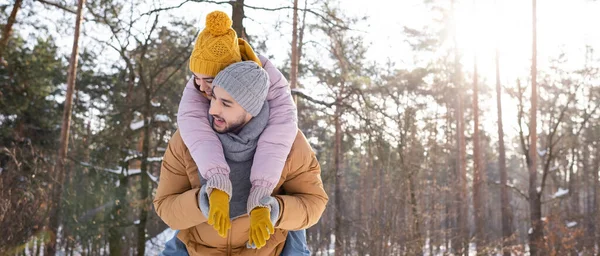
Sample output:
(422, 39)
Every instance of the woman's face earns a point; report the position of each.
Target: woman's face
(204, 82)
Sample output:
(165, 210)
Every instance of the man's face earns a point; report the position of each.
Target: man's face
(204, 82)
(228, 115)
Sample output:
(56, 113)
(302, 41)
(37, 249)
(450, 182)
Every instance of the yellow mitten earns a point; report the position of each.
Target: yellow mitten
(218, 213)
(261, 227)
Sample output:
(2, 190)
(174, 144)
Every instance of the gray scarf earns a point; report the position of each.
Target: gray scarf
(239, 152)
(241, 147)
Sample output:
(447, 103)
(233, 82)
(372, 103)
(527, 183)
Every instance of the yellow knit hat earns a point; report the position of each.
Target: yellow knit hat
(216, 46)
(247, 52)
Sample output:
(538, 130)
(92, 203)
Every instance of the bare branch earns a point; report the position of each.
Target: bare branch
(177, 7)
(12, 156)
(170, 63)
(321, 16)
(311, 99)
(586, 119)
(163, 9)
(553, 199)
(57, 5)
(65, 8)
(521, 113)
(512, 187)
(180, 65)
(561, 116)
(551, 138)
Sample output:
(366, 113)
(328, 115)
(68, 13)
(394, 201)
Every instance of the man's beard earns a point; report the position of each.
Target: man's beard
(234, 127)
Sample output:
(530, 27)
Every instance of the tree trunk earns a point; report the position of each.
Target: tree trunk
(8, 28)
(365, 209)
(54, 207)
(418, 247)
(463, 246)
(119, 215)
(574, 184)
(144, 186)
(574, 194)
(298, 47)
(464, 226)
(237, 18)
(535, 207)
(595, 191)
(588, 178)
(339, 203)
(451, 198)
(382, 206)
(433, 197)
(340, 219)
(300, 42)
(295, 58)
(504, 202)
(587, 188)
(477, 172)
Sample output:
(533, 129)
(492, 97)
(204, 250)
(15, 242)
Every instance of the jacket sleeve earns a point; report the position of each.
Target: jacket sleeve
(305, 198)
(203, 143)
(276, 140)
(176, 202)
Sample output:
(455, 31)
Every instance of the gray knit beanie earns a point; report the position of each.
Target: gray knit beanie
(247, 83)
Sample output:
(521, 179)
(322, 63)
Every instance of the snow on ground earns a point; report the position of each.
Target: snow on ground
(162, 118)
(127, 173)
(136, 125)
(560, 193)
(153, 178)
(155, 245)
(155, 159)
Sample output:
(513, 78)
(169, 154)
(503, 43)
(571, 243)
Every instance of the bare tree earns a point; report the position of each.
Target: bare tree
(536, 235)
(504, 200)
(461, 169)
(147, 113)
(478, 180)
(59, 172)
(337, 50)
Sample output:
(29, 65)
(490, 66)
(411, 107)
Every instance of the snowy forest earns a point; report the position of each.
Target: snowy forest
(441, 127)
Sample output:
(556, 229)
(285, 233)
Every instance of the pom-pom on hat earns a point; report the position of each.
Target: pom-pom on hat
(216, 46)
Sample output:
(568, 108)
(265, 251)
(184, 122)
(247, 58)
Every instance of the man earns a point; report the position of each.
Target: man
(297, 202)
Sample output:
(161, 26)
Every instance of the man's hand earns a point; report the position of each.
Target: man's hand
(261, 227)
(218, 214)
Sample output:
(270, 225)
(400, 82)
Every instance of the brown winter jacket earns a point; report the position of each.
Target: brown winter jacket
(300, 194)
